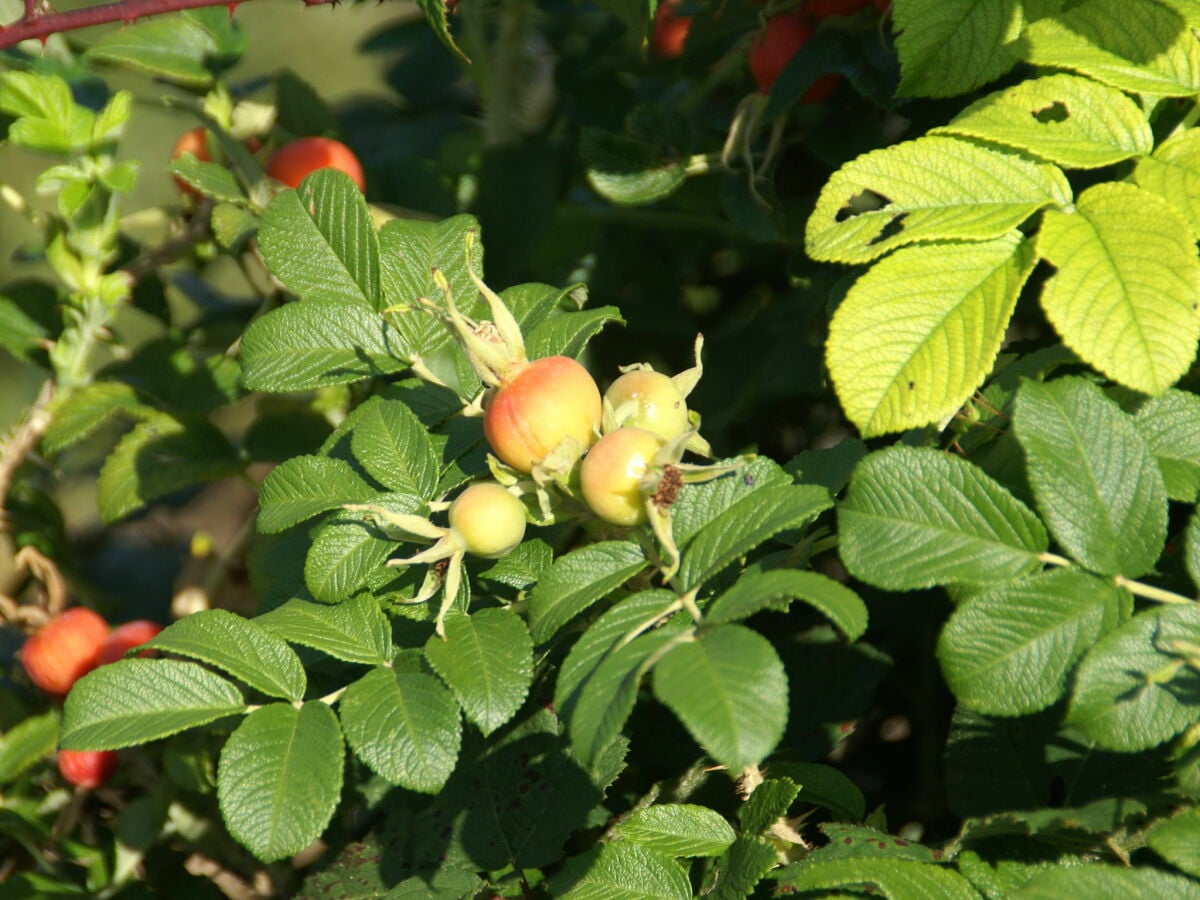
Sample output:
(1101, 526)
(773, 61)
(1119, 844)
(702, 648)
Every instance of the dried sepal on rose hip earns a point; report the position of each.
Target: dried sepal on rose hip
(485, 520)
(646, 399)
(533, 410)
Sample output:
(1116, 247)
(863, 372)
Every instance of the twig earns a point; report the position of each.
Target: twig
(171, 249)
(36, 23)
(24, 438)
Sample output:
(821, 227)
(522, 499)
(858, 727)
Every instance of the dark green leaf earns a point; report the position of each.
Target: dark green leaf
(349, 549)
(304, 487)
(394, 447)
(1109, 882)
(487, 660)
(1170, 425)
(280, 777)
(770, 800)
(776, 588)
(913, 518)
(238, 646)
(186, 48)
(354, 630)
(320, 242)
(742, 867)
(567, 335)
(83, 411)
(577, 580)
(1177, 840)
(405, 727)
(621, 871)
(1103, 500)
(133, 701)
(26, 744)
(729, 688)
(678, 829)
(207, 178)
(824, 786)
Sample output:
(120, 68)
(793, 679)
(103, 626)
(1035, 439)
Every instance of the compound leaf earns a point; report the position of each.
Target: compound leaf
(773, 589)
(577, 580)
(394, 447)
(306, 486)
(950, 47)
(678, 829)
(355, 630)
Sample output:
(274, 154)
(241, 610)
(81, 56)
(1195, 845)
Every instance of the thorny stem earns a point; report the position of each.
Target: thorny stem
(38, 23)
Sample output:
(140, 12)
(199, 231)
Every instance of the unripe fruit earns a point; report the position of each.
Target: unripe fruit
(774, 48)
(294, 161)
(195, 142)
(670, 30)
(611, 473)
(87, 768)
(487, 520)
(125, 637)
(649, 400)
(545, 401)
(65, 650)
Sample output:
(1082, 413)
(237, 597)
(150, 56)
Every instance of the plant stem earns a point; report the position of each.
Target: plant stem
(1149, 591)
(38, 24)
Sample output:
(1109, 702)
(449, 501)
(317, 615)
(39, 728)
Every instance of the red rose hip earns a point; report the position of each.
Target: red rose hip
(773, 49)
(542, 403)
(87, 768)
(126, 637)
(294, 161)
(65, 650)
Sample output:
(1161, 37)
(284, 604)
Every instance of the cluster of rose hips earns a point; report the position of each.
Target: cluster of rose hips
(62, 652)
(775, 44)
(289, 165)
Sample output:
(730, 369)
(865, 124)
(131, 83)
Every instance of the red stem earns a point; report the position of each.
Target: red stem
(35, 24)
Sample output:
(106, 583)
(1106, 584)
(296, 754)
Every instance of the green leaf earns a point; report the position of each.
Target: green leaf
(1177, 840)
(830, 467)
(824, 786)
(133, 701)
(320, 242)
(208, 178)
(742, 867)
(394, 447)
(26, 744)
(84, 410)
(846, 841)
(899, 879)
(306, 486)
(1074, 122)
(700, 504)
(1172, 172)
(776, 588)
(950, 47)
(435, 14)
(185, 49)
(487, 661)
(279, 778)
(312, 344)
(729, 688)
(406, 727)
(919, 332)
(348, 550)
(1109, 882)
(933, 188)
(567, 335)
(1009, 650)
(355, 630)
(1123, 294)
(239, 647)
(232, 226)
(1170, 425)
(770, 800)
(523, 567)
(48, 119)
(411, 250)
(621, 871)
(678, 829)
(1131, 691)
(1103, 500)
(577, 580)
(160, 456)
(639, 168)
(1143, 49)
(28, 318)
(1191, 539)
(608, 633)
(746, 524)
(605, 696)
(913, 518)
